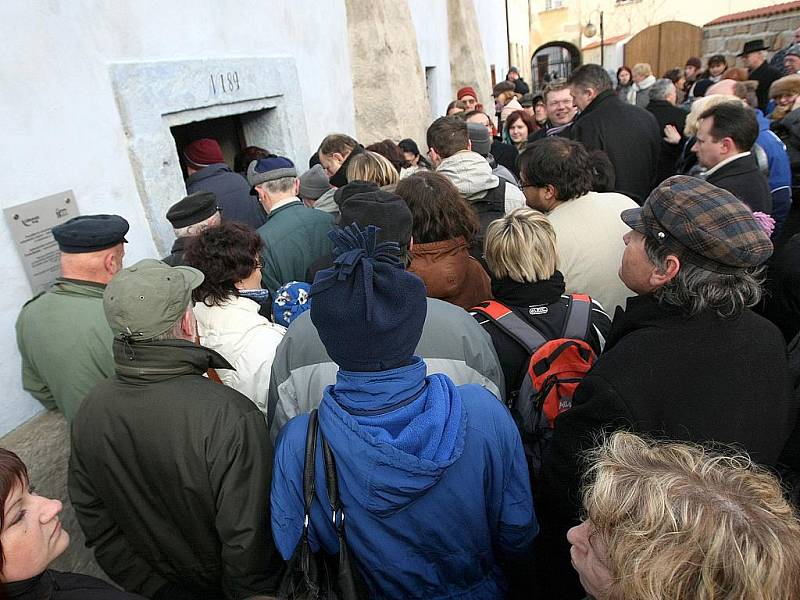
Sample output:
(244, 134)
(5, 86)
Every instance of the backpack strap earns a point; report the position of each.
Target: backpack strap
(579, 318)
(518, 328)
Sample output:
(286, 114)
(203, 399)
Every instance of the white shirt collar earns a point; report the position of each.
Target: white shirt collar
(725, 162)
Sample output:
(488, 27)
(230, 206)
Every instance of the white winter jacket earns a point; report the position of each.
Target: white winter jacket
(246, 340)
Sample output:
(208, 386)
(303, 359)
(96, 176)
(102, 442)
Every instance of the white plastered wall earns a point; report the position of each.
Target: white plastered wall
(62, 129)
(430, 21)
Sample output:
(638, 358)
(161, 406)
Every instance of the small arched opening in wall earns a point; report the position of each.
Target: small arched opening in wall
(553, 60)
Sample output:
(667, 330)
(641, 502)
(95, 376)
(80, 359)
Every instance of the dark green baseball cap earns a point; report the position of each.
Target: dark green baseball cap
(145, 300)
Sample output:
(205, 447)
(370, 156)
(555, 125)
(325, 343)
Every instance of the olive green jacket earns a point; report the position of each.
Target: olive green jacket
(65, 344)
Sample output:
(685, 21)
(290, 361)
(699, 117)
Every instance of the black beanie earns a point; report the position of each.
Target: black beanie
(367, 309)
(387, 211)
(351, 189)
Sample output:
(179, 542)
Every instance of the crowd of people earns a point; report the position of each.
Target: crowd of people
(554, 356)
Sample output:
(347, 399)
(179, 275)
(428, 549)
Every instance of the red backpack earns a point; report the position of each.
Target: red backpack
(555, 369)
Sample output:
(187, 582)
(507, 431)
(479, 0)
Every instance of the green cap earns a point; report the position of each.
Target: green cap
(145, 300)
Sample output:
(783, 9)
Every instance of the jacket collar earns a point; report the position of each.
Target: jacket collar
(602, 98)
(514, 293)
(290, 202)
(39, 587)
(646, 311)
(735, 165)
(207, 172)
(158, 360)
(77, 287)
(179, 245)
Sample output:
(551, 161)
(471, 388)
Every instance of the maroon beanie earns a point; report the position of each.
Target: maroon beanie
(204, 152)
(466, 91)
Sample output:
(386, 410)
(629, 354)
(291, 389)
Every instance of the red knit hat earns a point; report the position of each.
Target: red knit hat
(466, 91)
(204, 152)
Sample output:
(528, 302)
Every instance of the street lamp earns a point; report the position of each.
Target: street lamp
(590, 31)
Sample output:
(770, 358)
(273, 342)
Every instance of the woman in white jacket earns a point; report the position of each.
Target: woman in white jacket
(228, 304)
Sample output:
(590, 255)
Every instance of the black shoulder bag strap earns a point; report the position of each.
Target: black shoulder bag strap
(351, 585)
(307, 563)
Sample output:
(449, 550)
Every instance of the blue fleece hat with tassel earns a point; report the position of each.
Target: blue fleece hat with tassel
(368, 310)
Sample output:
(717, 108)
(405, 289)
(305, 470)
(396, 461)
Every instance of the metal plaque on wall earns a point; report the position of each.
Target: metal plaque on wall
(31, 224)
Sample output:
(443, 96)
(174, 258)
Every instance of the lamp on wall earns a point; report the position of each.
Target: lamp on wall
(590, 30)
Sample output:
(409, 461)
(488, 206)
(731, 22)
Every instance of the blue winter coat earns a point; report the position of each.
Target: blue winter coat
(233, 194)
(780, 171)
(432, 477)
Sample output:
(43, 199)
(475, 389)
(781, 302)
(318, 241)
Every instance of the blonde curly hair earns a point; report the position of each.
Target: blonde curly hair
(682, 522)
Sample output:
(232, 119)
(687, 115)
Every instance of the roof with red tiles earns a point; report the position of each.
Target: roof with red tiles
(755, 13)
(609, 41)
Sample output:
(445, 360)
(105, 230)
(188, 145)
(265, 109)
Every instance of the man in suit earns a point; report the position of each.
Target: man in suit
(628, 134)
(663, 97)
(754, 54)
(725, 135)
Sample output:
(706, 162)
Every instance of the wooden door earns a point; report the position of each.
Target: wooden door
(664, 46)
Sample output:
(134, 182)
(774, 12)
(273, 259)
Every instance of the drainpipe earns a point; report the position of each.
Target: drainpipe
(508, 38)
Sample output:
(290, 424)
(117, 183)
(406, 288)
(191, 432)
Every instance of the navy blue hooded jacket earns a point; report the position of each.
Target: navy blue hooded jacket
(432, 477)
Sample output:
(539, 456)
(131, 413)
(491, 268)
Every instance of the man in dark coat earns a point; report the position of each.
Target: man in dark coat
(663, 97)
(170, 472)
(686, 360)
(188, 217)
(208, 172)
(725, 134)
(754, 54)
(628, 134)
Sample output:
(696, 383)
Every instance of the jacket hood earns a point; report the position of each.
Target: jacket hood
(394, 433)
(470, 173)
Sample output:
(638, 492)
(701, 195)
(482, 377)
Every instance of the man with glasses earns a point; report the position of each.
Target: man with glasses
(561, 111)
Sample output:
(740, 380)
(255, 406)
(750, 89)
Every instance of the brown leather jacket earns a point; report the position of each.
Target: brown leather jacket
(450, 273)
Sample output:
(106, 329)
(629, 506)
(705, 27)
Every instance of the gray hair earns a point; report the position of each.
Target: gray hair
(197, 228)
(278, 186)
(695, 289)
(661, 89)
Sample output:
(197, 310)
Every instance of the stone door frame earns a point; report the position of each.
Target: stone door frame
(154, 96)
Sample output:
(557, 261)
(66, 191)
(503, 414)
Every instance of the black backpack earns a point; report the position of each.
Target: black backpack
(555, 368)
(492, 206)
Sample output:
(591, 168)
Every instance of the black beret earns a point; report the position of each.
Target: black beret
(195, 208)
(90, 233)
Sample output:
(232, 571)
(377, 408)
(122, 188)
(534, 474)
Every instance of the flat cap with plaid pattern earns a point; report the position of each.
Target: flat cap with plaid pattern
(703, 224)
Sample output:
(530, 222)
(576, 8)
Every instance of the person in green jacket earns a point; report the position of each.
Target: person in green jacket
(62, 334)
(294, 235)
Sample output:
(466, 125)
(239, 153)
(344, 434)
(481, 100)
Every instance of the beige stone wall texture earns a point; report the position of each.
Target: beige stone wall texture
(468, 66)
(389, 90)
(729, 38)
(43, 445)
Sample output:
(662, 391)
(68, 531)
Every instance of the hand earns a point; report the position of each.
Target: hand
(671, 134)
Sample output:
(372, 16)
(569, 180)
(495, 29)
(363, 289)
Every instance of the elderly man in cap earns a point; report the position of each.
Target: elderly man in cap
(754, 55)
(505, 99)
(294, 234)
(62, 334)
(208, 172)
(687, 359)
(189, 217)
(173, 495)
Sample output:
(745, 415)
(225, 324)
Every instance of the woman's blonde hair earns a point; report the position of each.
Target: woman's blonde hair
(700, 105)
(642, 69)
(521, 246)
(371, 166)
(679, 521)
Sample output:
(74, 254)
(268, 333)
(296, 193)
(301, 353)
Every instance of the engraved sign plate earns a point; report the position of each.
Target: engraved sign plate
(31, 224)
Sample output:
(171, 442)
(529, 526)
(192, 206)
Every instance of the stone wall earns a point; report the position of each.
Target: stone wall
(43, 445)
(729, 38)
(468, 66)
(389, 92)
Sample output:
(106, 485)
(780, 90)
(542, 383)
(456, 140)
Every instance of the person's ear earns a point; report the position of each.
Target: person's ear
(659, 278)
(296, 186)
(469, 144)
(188, 324)
(727, 145)
(550, 192)
(337, 157)
(411, 243)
